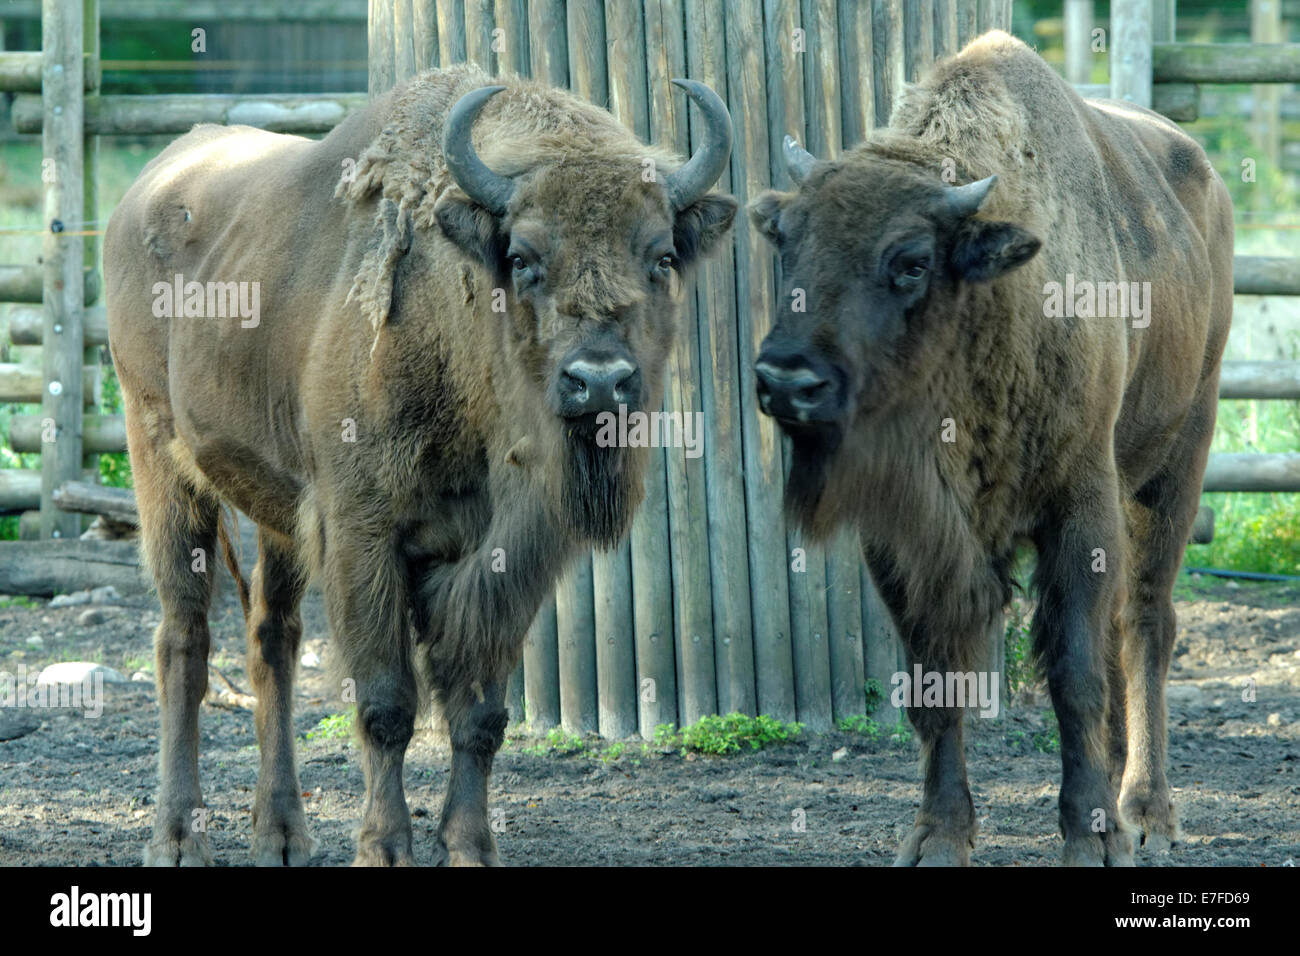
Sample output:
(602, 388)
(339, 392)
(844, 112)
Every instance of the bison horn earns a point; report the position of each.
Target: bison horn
(704, 168)
(479, 183)
(798, 161)
(966, 200)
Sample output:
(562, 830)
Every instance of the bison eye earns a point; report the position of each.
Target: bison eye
(915, 271)
(517, 263)
(665, 262)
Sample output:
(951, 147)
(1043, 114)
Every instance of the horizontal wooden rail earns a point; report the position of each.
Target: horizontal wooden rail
(27, 325)
(20, 72)
(1252, 472)
(1262, 380)
(176, 113)
(23, 383)
(1266, 275)
(220, 11)
(100, 434)
(26, 283)
(1181, 102)
(1225, 63)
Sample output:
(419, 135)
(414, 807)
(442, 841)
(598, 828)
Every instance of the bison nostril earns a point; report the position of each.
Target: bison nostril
(573, 383)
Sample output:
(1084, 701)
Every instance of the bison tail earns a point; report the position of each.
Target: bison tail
(231, 556)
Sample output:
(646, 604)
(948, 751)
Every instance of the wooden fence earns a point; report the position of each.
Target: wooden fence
(713, 604)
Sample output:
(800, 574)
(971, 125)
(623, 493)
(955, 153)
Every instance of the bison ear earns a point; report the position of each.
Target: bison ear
(765, 213)
(471, 228)
(986, 250)
(698, 228)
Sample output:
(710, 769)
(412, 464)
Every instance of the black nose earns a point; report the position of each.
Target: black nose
(789, 388)
(590, 384)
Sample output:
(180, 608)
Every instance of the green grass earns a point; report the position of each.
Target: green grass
(728, 734)
(860, 724)
(332, 727)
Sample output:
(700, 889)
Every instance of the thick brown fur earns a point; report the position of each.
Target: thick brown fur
(1074, 434)
(388, 429)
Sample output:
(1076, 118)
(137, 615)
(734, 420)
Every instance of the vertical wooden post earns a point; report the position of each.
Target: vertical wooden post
(479, 24)
(721, 357)
(1078, 41)
(512, 20)
(1130, 51)
(63, 148)
(90, 199)
(857, 86)
(381, 64)
(1266, 27)
(688, 544)
(452, 47)
(918, 34)
(888, 62)
(945, 27)
(756, 303)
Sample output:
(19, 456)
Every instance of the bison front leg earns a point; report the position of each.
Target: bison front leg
(368, 617)
(944, 832)
(1079, 564)
(476, 719)
(274, 633)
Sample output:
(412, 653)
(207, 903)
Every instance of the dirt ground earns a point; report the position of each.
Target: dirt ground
(79, 791)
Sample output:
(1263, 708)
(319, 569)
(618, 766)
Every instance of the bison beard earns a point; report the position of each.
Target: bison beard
(597, 493)
(812, 450)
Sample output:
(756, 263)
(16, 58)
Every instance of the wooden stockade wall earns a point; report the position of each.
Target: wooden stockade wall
(713, 604)
(701, 610)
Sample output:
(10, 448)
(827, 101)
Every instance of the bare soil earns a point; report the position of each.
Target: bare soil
(78, 791)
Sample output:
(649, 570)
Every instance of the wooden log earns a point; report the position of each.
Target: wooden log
(967, 22)
(1252, 472)
(20, 72)
(1078, 40)
(548, 50)
(1181, 102)
(721, 357)
(20, 490)
(47, 568)
(857, 86)
(29, 525)
(90, 191)
(888, 62)
(27, 325)
(575, 625)
(479, 24)
(381, 53)
(945, 28)
(1130, 51)
(25, 384)
(844, 620)
(86, 497)
(451, 32)
(1260, 380)
(424, 37)
(63, 279)
(26, 283)
(1266, 275)
(880, 647)
(1203, 526)
(403, 39)
(918, 38)
(100, 434)
(651, 591)
(542, 671)
(688, 543)
(764, 480)
(512, 21)
(1226, 62)
(141, 115)
(198, 11)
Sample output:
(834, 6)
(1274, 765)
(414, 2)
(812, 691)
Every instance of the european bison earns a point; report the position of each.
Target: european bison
(389, 348)
(940, 399)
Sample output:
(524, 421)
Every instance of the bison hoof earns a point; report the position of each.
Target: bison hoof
(391, 850)
(174, 847)
(286, 845)
(465, 856)
(1113, 848)
(1155, 819)
(930, 845)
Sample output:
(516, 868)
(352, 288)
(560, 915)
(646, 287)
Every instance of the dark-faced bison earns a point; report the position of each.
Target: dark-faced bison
(940, 400)
(389, 348)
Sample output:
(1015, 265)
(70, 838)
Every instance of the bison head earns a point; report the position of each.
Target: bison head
(877, 256)
(587, 246)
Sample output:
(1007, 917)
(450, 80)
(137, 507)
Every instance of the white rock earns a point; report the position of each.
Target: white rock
(36, 641)
(1275, 720)
(311, 659)
(105, 595)
(140, 677)
(77, 672)
(70, 600)
(840, 754)
(90, 617)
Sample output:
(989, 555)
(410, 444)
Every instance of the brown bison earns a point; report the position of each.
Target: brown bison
(943, 399)
(389, 348)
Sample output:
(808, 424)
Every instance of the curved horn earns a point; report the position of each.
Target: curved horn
(798, 161)
(966, 200)
(480, 184)
(703, 169)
